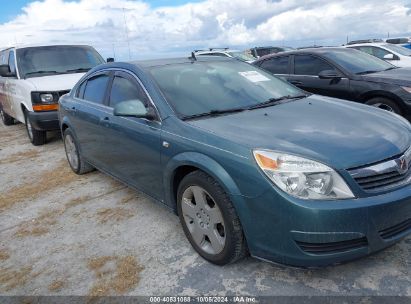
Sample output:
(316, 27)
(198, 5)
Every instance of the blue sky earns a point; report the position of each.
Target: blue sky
(163, 28)
(14, 7)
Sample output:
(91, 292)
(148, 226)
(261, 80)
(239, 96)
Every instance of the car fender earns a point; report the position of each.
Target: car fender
(202, 162)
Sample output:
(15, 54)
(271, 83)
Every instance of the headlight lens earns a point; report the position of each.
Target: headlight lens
(408, 89)
(302, 178)
(46, 98)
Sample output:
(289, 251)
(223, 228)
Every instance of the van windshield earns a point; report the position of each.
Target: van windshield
(51, 60)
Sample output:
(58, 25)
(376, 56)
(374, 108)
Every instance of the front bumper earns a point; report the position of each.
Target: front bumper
(290, 231)
(44, 121)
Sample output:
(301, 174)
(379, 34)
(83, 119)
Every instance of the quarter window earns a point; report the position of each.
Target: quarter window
(96, 88)
(80, 91)
(309, 65)
(125, 90)
(276, 65)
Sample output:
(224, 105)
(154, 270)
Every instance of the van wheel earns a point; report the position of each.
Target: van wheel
(209, 219)
(76, 162)
(7, 119)
(385, 104)
(37, 138)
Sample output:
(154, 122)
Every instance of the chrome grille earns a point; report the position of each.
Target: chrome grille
(386, 175)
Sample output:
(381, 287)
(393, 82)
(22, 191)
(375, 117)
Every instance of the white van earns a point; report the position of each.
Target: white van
(33, 78)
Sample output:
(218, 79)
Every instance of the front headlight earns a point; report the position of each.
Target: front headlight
(302, 178)
(47, 98)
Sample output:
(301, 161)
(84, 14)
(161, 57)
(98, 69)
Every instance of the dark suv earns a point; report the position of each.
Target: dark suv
(346, 74)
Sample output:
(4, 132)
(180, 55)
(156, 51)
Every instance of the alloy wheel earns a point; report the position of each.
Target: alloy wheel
(383, 106)
(204, 220)
(71, 151)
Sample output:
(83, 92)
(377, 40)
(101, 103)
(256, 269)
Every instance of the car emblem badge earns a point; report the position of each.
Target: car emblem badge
(402, 165)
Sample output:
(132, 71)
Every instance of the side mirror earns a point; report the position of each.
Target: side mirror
(389, 57)
(110, 59)
(134, 108)
(5, 71)
(328, 74)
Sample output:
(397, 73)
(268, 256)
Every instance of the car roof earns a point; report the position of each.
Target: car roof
(368, 44)
(320, 50)
(182, 60)
(23, 46)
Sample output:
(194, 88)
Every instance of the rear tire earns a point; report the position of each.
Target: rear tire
(36, 137)
(75, 160)
(7, 119)
(209, 219)
(385, 104)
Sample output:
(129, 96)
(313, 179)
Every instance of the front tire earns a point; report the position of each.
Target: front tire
(76, 162)
(7, 119)
(36, 137)
(385, 104)
(209, 219)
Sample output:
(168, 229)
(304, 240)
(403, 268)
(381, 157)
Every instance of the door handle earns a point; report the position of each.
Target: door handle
(296, 82)
(106, 118)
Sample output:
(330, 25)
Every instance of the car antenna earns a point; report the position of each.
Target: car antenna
(193, 56)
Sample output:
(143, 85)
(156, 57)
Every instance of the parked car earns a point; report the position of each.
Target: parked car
(347, 74)
(260, 51)
(375, 40)
(249, 162)
(404, 41)
(226, 52)
(34, 78)
(397, 55)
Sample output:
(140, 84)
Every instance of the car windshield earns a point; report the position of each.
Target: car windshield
(50, 60)
(398, 49)
(242, 56)
(205, 86)
(358, 62)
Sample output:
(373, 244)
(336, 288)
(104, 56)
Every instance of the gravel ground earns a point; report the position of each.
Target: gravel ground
(61, 234)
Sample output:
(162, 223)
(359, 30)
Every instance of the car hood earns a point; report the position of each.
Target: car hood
(55, 82)
(339, 133)
(400, 76)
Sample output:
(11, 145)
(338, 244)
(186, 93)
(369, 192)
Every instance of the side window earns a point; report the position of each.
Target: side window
(277, 65)
(380, 53)
(3, 57)
(309, 65)
(96, 88)
(12, 63)
(366, 49)
(124, 89)
(80, 90)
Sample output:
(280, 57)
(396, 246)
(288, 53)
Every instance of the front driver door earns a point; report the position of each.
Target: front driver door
(133, 145)
(305, 76)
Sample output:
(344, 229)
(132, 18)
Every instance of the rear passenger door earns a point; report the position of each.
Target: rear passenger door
(279, 66)
(305, 71)
(87, 112)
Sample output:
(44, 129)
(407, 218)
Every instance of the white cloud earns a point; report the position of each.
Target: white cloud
(168, 31)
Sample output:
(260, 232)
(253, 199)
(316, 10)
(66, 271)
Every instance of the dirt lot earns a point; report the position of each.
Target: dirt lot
(90, 235)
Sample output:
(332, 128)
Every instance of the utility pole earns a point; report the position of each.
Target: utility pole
(126, 31)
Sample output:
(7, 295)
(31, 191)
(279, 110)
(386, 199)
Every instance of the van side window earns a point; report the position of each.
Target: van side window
(124, 90)
(96, 88)
(12, 63)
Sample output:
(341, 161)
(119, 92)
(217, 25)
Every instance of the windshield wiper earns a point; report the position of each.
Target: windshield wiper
(391, 68)
(214, 113)
(79, 70)
(275, 101)
(366, 72)
(42, 72)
